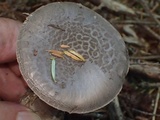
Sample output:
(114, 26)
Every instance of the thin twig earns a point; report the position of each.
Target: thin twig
(155, 7)
(146, 57)
(145, 14)
(147, 9)
(156, 104)
(152, 32)
(145, 113)
(146, 84)
(144, 63)
(134, 22)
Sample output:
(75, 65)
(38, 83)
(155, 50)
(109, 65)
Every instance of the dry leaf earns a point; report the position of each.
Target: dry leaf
(77, 54)
(64, 46)
(56, 53)
(72, 56)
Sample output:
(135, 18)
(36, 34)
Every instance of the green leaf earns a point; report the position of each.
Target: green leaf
(53, 68)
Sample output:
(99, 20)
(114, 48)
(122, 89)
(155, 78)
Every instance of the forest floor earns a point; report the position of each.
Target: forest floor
(138, 21)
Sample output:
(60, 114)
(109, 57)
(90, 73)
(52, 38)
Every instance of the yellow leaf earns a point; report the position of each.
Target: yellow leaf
(72, 56)
(77, 54)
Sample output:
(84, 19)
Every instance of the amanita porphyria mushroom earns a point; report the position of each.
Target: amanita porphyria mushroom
(81, 87)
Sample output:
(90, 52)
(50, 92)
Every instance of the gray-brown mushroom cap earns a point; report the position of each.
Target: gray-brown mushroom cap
(81, 86)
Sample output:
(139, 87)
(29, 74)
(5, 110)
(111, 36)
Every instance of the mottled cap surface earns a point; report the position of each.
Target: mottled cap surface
(81, 87)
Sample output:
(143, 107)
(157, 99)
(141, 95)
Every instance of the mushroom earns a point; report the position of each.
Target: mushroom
(81, 87)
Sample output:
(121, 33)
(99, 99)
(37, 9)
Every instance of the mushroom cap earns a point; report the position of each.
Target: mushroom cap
(81, 87)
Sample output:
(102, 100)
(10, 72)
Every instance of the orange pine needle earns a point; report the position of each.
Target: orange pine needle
(64, 46)
(56, 53)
